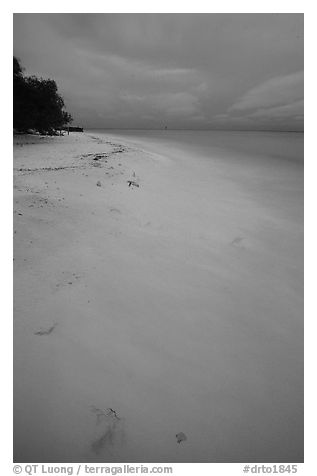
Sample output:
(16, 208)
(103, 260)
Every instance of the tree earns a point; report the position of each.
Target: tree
(36, 103)
(17, 68)
(20, 108)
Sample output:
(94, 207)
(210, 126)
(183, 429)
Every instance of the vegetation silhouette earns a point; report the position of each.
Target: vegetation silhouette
(37, 105)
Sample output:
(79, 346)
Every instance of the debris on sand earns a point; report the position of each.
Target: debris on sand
(112, 413)
(132, 182)
(181, 437)
(100, 414)
(45, 332)
(98, 183)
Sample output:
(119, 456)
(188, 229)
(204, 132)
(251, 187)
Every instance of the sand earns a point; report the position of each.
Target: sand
(158, 292)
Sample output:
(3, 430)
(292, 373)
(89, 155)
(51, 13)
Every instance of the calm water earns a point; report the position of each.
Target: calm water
(284, 145)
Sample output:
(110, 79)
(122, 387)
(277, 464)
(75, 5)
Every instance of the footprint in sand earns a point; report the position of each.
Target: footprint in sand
(115, 210)
(45, 332)
(237, 241)
(112, 429)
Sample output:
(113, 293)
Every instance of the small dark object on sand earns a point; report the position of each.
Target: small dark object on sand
(98, 183)
(113, 413)
(131, 182)
(181, 437)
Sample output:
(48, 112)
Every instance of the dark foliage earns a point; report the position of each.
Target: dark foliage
(36, 103)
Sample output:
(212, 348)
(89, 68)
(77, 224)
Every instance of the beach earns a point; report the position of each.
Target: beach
(158, 290)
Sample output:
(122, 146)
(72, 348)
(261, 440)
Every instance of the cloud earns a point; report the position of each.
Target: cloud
(164, 105)
(295, 109)
(190, 70)
(276, 91)
(178, 104)
(276, 103)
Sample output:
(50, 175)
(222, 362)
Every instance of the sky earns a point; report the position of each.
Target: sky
(180, 71)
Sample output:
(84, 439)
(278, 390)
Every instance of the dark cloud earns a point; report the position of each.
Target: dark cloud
(182, 70)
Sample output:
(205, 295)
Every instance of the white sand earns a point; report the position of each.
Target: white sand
(178, 303)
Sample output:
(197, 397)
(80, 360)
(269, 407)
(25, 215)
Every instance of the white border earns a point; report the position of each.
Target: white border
(6, 188)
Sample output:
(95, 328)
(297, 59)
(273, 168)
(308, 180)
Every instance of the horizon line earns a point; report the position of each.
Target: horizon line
(198, 130)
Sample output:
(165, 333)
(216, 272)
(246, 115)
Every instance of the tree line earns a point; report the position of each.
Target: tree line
(37, 105)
